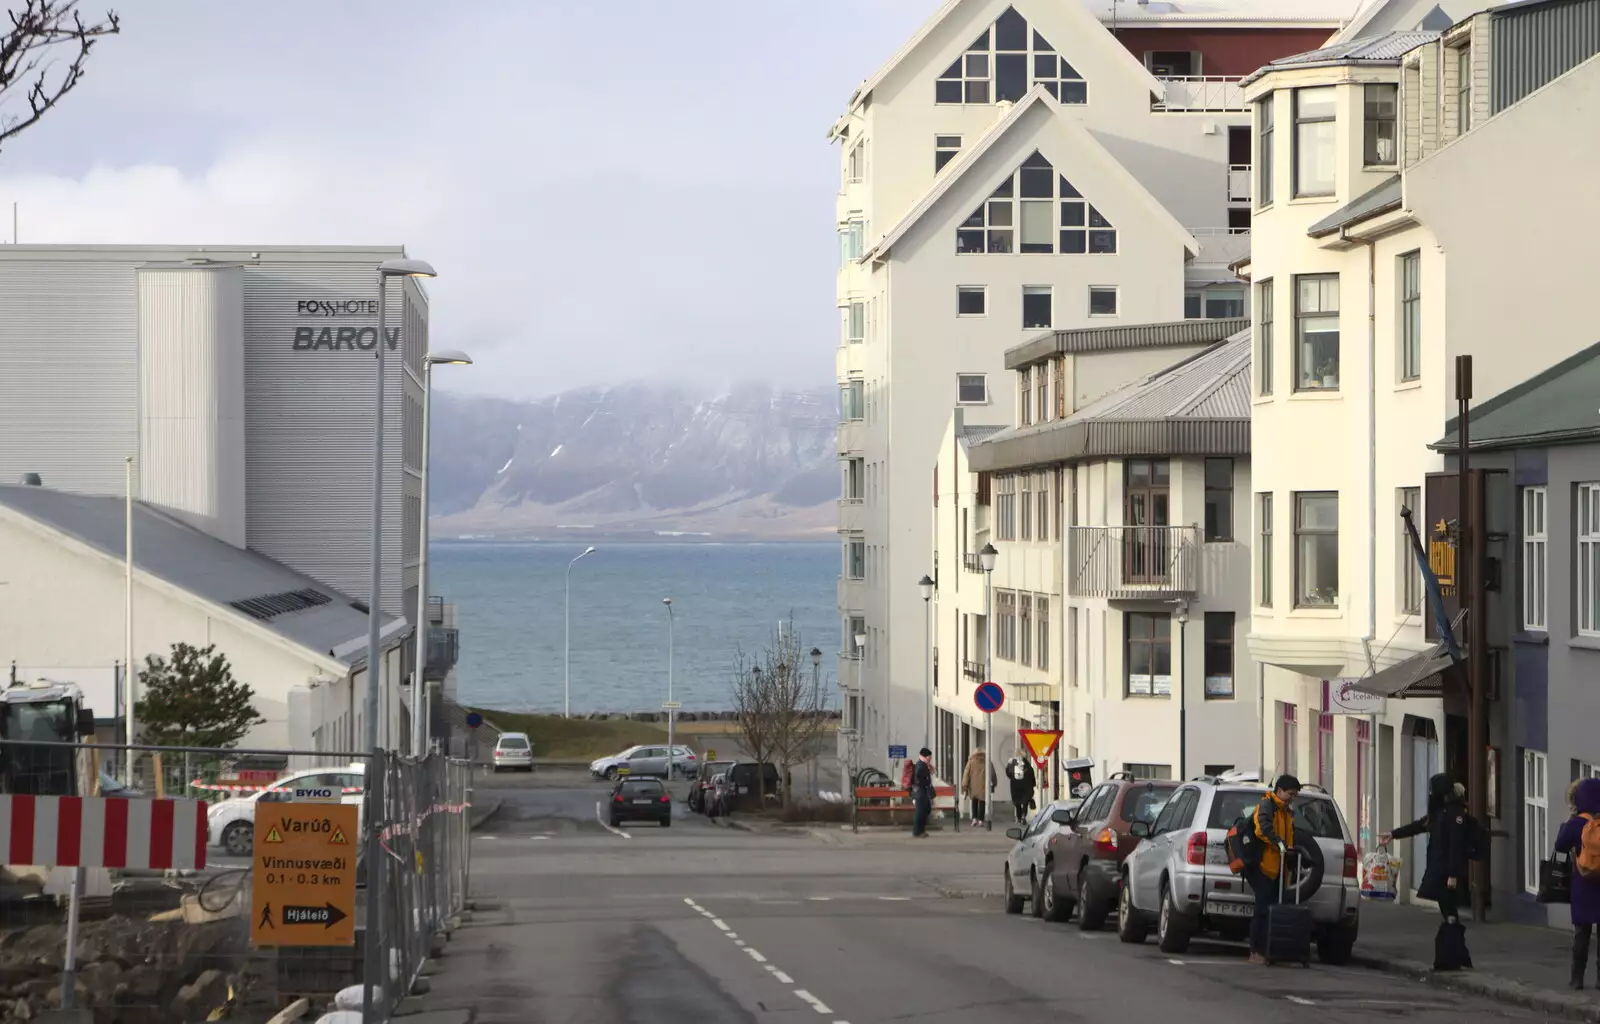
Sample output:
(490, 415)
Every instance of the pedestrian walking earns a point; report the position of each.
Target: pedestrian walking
(1023, 784)
(922, 792)
(1580, 836)
(1274, 825)
(1452, 844)
(973, 776)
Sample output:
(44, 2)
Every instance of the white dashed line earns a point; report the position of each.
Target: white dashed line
(819, 899)
(606, 824)
(1300, 1000)
(895, 899)
(757, 957)
(816, 1004)
(720, 923)
(783, 979)
(1176, 963)
(737, 942)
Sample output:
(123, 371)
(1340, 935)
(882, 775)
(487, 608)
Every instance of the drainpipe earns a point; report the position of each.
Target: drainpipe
(1372, 519)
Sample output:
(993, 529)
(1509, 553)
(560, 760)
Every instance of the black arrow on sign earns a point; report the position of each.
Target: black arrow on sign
(327, 915)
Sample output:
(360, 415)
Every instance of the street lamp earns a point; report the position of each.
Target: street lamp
(927, 585)
(986, 559)
(1183, 691)
(816, 684)
(419, 702)
(386, 270)
(861, 691)
(566, 685)
(672, 712)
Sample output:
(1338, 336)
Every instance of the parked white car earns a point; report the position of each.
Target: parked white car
(231, 824)
(513, 751)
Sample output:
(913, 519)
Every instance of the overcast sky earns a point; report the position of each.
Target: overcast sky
(611, 190)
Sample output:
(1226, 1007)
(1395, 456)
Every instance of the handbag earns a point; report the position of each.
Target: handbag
(1555, 879)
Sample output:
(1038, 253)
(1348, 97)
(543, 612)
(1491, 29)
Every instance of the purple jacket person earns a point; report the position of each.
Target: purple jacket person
(1585, 891)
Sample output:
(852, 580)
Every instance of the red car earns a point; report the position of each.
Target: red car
(1084, 859)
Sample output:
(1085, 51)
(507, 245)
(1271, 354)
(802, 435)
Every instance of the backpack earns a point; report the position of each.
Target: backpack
(1241, 844)
(1587, 862)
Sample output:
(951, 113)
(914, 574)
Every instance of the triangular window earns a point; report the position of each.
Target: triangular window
(1004, 62)
(1036, 210)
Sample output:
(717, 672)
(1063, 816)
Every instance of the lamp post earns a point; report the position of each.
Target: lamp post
(861, 684)
(1183, 691)
(986, 559)
(419, 701)
(566, 685)
(386, 270)
(672, 712)
(816, 684)
(927, 585)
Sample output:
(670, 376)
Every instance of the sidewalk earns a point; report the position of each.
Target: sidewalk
(1525, 965)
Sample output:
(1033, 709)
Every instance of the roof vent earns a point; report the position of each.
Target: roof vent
(269, 606)
(32, 480)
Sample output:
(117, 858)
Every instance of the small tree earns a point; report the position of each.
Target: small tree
(193, 700)
(27, 64)
(781, 704)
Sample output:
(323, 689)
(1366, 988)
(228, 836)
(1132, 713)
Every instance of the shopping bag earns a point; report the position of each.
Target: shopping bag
(1555, 879)
(1378, 873)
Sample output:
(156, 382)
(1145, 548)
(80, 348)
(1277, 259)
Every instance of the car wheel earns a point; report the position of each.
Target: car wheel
(1013, 900)
(1129, 928)
(609, 774)
(1035, 893)
(666, 822)
(1091, 915)
(1336, 945)
(1055, 908)
(239, 839)
(1173, 929)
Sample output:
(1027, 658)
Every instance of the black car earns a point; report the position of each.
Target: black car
(749, 784)
(700, 787)
(642, 799)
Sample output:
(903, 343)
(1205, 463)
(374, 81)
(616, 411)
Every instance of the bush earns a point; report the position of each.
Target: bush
(815, 810)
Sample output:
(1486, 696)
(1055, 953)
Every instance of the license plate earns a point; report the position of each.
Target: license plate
(1230, 909)
(644, 801)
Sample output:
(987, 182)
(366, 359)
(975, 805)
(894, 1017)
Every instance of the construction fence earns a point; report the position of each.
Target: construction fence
(222, 884)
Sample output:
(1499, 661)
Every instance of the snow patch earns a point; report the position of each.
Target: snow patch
(556, 450)
(507, 466)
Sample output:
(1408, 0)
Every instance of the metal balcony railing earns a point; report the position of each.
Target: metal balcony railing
(436, 609)
(1239, 183)
(971, 562)
(1131, 562)
(972, 670)
(444, 647)
(1200, 94)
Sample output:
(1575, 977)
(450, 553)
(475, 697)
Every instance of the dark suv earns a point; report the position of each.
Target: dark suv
(1088, 853)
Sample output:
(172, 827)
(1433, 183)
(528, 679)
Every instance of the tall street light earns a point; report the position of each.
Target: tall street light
(672, 712)
(986, 559)
(927, 585)
(386, 270)
(566, 686)
(1183, 690)
(419, 701)
(861, 690)
(816, 684)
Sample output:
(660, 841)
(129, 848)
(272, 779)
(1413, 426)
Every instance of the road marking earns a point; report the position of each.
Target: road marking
(737, 942)
(606, 824)
(1176, 963)
(720, 923)
(783, 979)
(757, 957)
(1300, 1000)
(816, 1004)
(819, 899)
(1091, 936)
(895, 899)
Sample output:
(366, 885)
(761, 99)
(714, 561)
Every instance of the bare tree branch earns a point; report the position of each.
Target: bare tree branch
(26, 62)
(780, 703)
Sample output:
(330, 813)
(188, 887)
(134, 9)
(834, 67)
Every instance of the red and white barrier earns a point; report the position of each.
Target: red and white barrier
(102, 832)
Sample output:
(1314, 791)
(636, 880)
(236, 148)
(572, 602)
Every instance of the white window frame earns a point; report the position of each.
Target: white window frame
(981, 291)
(1586, 770)
(855, 162)
(1588, 568)
(1409, 288)
(1048, 292)
(963, 379)
(1535, 815)
(1103, 289)
(855, 559)
(1411, 594)
(945, 149)
(1535, 553)
(855, 322)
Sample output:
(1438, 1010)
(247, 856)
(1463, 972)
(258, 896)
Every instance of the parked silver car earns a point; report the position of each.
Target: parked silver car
(1178, 878)
(1025, 871)
(645, 760)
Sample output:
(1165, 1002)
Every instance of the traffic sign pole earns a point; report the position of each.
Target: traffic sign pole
(989, 697)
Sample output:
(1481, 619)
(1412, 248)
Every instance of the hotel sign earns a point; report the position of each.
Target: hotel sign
(344, 337)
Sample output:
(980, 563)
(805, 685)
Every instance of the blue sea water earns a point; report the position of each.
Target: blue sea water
(509, 606)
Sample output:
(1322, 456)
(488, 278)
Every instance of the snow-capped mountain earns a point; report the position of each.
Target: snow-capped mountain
(755, 462)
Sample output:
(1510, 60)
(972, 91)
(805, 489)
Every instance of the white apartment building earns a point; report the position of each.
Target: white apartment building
(1120, 591)
(1017, 167)
(1374, 263)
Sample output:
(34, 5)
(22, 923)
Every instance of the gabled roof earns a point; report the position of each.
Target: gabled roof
(1384, 197)
(260, 592)
(1084, 144)
(1557, 406)
(976, 433)
(1124, 336)
(1379, 51)
(1197, 406)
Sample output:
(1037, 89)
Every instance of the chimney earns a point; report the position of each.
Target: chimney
(32, 480)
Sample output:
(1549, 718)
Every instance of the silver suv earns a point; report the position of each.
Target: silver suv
(1178, 879)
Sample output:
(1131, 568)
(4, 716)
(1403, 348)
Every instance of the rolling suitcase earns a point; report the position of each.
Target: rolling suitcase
(1288, 924)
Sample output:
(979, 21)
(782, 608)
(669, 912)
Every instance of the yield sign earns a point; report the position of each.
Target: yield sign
(1041, 742)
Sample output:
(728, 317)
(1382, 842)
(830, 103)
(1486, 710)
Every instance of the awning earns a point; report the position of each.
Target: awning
(1421, 675)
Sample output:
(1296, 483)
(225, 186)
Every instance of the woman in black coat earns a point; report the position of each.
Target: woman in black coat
(1450, 832)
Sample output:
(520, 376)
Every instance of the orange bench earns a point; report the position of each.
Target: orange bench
(892, 799)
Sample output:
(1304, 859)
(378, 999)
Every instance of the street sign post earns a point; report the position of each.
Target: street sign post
(304, 875)
(671, 705)
(989, 697)
(474, 720)
(1040, 743)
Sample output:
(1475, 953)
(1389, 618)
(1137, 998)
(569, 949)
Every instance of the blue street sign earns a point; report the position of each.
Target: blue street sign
(474, 719)
(989, 697)
(897, 751)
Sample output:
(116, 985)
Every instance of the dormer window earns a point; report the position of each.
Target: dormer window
(1463, 89)
(1379, 138)
(1004, 62)
(1036, 210)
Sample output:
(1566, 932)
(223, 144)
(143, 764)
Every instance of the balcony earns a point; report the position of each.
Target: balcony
(852, 515)
(972, 562)
(1239, 183)
(444, 647)
(1220, 247)
(1202, 94)
(972, 671)
(1133, 562)
(851, 437)
(849, 673)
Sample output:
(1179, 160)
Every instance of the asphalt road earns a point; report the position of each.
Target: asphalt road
(705, 924)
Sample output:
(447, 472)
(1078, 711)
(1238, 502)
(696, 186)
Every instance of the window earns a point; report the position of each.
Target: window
(1041, 390)
(1025, 408)
(1025, 212)
(1464, 89)
(1193, 305)
(1025, 630)
(1036, 302)
(855, 480)
(972, 300)
(1316, 549)
(856, 162)
(856, 557)
(1410, 572)
(1102, 301)
(945, 148)
(1585, 770)
(1219, 499)
(1264, 338)
(1219, 655)
(1535, 816)
(1173, 63)
(852, 400)
(1222, 303)
(1005, 636)
(1148, 654)
(1264, 158)
(1005, 508)
(1264, 554)
(852, 240)
(1148, 771)
(1061, 502)
(1239, 220)
(1288, 738)
(1316, 332)
(972, 389)
(1026, 533)
(855, 323)
(1363, 779)
(1042, 498)
(1589, 559)
(1534, 543)
(1379, 145)
(1041, 617)
(1314, 141)
(1011, 59)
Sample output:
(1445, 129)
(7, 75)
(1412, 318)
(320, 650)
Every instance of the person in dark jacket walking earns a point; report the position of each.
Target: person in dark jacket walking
(1023, 783)
(1450, 832)
(922, 792)
(1585, 891)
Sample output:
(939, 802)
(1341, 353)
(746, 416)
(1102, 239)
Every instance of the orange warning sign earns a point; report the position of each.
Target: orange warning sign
(1041, 743)
(304, 874)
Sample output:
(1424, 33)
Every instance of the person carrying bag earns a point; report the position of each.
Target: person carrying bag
(1454, 840)
(1579, 841)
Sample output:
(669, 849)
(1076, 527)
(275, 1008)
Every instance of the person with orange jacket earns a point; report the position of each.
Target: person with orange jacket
(1274, 825)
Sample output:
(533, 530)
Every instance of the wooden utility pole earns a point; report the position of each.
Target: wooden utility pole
(1473, 596)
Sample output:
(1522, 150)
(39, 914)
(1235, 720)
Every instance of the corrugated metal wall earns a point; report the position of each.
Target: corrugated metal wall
(1536, 45)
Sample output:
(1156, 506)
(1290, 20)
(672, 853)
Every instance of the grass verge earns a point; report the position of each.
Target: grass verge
(575, 738)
